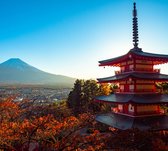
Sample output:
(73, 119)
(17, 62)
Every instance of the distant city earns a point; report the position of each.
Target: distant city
(37, 95)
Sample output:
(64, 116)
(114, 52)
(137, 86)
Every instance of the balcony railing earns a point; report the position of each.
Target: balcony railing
(139, 70)
(134, 90)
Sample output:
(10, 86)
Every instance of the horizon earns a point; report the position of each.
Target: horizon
(70, 37)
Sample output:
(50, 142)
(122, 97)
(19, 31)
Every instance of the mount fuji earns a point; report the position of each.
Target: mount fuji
(16, 71)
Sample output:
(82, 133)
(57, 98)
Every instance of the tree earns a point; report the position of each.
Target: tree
(82, 97)
(90, 91)
(105, 89)
(75, 96)
(162, 87)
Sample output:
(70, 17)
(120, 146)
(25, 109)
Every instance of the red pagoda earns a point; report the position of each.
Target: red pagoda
(138, 103)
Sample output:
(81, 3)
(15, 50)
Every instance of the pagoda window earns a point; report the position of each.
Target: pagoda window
(122, 69)
(131, 67)
(144, 87)
(147, 109)
(120, 108)
(130, 62)
(130, 56)
(130, 81)
(131, 88)
(130, 108)
(122, 88)
(143, 67)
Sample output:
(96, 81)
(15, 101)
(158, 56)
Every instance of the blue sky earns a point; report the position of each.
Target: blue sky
(69, 37)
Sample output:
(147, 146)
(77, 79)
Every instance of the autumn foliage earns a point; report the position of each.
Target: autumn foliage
(25, 126)
(44, 132)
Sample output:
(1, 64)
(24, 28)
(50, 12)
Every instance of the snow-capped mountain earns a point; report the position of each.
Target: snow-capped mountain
(18, 64)
(16, 71)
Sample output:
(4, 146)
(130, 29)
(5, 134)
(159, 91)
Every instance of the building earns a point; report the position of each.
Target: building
(137, 101)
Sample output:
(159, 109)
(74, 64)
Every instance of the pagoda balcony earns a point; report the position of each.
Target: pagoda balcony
(122, 91)
(136, 91)
(145, 90)
(139, 70)
(136, 114)
(122, 71)
(148, 70)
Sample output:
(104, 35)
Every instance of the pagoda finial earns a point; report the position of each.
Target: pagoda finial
(135, 27)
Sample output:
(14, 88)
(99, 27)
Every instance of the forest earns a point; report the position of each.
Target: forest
(70, 124)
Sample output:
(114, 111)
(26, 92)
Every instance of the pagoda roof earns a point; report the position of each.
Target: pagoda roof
(154, 98)
(135, 74)
(124, 122)
(135, 53)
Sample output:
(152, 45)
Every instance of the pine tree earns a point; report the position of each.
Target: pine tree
(82, 97)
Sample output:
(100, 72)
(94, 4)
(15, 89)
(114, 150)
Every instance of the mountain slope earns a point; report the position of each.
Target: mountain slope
(15, 71)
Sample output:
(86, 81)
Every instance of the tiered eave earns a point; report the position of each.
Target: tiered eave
(157, 77)
(155, 58)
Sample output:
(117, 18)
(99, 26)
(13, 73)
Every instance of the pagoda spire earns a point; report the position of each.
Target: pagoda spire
(135, 27)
